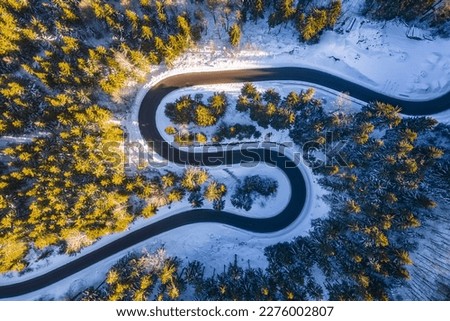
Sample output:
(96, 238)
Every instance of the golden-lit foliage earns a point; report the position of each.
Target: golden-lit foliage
(68, 187)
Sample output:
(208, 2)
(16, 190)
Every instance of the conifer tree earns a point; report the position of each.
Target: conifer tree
(235, 35)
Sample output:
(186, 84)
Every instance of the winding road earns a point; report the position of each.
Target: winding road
(237, 155)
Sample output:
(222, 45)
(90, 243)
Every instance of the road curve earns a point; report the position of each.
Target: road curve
(150, 133)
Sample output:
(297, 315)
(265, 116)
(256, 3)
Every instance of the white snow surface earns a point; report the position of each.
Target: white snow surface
(376, 55)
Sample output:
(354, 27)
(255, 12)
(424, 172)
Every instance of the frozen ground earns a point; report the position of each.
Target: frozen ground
(378, 55)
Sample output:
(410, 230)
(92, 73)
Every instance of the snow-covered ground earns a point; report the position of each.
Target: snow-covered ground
(191, 242)
(378, 55)
(430, 272)
(217, 242)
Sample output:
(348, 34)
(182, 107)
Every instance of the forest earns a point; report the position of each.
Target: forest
(65, 70)
(396, 173)
(426, 12)
(64, 65)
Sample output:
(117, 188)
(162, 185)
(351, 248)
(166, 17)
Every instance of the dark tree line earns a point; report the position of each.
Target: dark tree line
(238, 131)
(250, 188)
(268, 109)
(156, 276)
(407, 9)
(186, 110)
(310, 20)
(395, 171)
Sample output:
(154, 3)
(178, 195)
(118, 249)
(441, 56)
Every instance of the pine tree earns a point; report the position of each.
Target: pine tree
(218, 103)
(235, 35)
(334, 12)
(256, 9)
(184, 27)
(9, 36)
(204, 116)
(284, 12)
(311, 26)
(215, 191)
(193, 178)
(195, 199)
(408, 9)
(272, 96)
